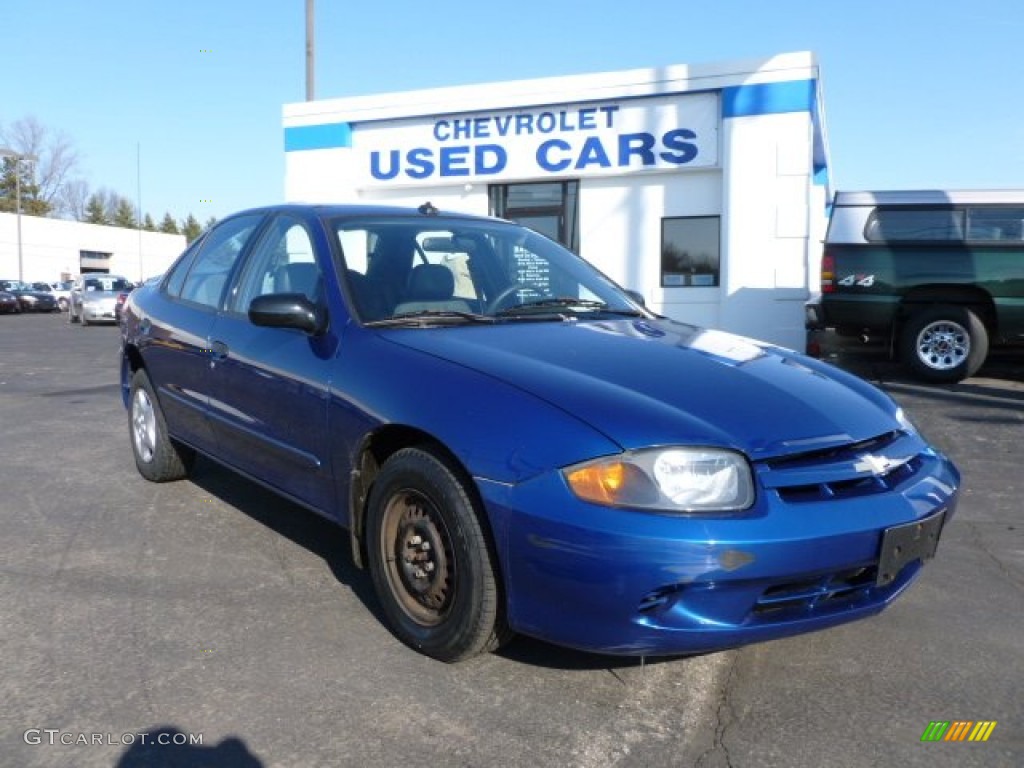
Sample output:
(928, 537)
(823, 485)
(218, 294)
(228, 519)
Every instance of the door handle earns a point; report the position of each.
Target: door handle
(219, 350)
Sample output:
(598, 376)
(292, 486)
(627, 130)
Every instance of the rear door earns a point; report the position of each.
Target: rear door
(176, 333)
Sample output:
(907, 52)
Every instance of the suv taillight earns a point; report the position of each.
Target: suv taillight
(828, 273)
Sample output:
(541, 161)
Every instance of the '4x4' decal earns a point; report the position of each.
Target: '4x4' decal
(864, 281)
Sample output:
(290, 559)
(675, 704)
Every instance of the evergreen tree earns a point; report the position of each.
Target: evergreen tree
(209, 223)
(124, 214)
(96, 210)
(190, 228)
(148, 224)
(17, 179)
(169, 225)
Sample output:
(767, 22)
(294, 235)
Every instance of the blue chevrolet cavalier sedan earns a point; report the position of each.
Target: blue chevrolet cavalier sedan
(516, 444)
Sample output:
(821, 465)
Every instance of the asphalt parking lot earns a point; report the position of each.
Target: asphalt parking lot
(210, 609)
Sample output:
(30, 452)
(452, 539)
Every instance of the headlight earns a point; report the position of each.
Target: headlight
(666, 479)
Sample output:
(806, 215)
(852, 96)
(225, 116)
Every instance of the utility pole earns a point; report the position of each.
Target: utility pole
(310, 52)
(17, 157)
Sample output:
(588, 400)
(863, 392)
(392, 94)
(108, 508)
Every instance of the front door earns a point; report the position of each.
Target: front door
(269, 406)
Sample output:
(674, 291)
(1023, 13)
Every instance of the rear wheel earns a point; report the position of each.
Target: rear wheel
(432, 568)
(157, 457)
(944, 343)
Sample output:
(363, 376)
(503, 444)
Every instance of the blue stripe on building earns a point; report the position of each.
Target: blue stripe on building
(326, 136)
(768, 98)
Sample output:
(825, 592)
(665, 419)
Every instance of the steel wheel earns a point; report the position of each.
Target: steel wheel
(431, 559)
(417, 548)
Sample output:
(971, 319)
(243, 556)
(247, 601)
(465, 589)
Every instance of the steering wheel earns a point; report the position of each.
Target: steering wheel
(495, 303)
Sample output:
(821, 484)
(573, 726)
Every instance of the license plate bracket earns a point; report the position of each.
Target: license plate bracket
(902, 544)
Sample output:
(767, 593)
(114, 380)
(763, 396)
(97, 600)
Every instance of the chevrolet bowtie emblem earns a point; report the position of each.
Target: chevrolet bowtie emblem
(876, 465)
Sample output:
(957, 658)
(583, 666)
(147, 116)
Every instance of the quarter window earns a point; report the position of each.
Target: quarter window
(690, 251)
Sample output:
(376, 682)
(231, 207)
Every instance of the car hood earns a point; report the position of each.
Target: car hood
(646, 382)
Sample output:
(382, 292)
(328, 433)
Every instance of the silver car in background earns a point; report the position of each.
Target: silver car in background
(94, 298)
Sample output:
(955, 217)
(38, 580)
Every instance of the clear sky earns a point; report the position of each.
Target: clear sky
(918, 93)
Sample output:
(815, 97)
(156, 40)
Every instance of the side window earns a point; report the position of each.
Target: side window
(915, 224)
(282, 262)
(995, 224)
(216, 258)
(178, 272)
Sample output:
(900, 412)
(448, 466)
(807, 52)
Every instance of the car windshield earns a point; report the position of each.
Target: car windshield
(107, 284)
(433, 270)
(13, 285)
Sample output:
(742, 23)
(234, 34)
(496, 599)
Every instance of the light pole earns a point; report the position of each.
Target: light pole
(17, 157)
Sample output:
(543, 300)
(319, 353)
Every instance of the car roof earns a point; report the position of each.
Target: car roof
(357, 210)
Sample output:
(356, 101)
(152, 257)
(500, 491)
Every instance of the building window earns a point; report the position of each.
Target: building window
(93, 261)
(690, 251)
(550, 207)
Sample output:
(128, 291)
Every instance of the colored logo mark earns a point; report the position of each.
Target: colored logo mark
(958, 730)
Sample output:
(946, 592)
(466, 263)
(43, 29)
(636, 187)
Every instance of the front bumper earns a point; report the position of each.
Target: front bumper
(633, 583)
(99, 313)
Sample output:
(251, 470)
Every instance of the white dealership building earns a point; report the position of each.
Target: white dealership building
(703, 187)
(49, 250)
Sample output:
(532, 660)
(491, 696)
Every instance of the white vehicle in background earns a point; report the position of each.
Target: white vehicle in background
(62, 292)
(94, 298)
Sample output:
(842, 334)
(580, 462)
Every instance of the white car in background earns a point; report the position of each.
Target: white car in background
(94, 298)
(62, 292)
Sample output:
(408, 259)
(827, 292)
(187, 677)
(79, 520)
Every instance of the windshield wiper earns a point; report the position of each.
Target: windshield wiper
(566, 302)
(425, 317)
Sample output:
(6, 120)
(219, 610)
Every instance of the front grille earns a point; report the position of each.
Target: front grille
(846, 489)
(864, 468)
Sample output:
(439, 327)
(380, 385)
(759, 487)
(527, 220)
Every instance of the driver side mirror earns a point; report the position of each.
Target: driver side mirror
(287, 310)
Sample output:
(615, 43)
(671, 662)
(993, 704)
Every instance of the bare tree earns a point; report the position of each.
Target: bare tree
(72, 199)
(55, 158)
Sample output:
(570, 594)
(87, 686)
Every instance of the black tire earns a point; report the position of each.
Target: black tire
(944, 343)
(158, 458)
(433, 569)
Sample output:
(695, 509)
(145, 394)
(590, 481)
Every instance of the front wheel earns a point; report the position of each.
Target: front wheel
(433, 569)
(944, 343)
(158, 458)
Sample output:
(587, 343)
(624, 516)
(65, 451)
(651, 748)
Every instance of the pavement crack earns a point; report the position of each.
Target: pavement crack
(717, 755)
(1010, 575)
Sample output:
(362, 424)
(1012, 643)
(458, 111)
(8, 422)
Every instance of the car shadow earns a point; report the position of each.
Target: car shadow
(330, 542)
(303, 527)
